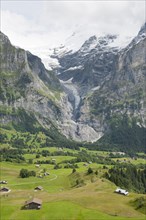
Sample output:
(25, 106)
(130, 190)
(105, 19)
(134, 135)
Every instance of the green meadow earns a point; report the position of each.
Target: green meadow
(62, 198)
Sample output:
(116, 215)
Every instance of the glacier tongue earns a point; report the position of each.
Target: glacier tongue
(72, 92)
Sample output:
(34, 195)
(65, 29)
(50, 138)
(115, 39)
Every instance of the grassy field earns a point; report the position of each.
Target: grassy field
(62, 199)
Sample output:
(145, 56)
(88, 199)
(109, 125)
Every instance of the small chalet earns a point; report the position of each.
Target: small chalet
(3, 182)
(120, 153)
(33, 204)
(85, 164)
(38, 188)
(5, 189)
(37, 165)
(122, 191)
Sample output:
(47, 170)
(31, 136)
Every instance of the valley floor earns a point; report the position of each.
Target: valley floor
(61, 199)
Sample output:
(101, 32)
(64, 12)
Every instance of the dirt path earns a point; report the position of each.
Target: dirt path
(41, 181)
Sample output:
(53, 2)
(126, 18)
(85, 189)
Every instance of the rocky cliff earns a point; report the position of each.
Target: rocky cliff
(91, 88)
(32, 97)
(105, 80)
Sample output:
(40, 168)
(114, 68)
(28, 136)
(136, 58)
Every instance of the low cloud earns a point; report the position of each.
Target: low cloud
(52, 22)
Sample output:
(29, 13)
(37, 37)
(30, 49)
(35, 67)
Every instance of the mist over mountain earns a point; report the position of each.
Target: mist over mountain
(90, 91)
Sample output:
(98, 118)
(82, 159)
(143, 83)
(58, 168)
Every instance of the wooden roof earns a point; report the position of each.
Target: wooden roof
(4, 188)
(34, 200)
(39, 187)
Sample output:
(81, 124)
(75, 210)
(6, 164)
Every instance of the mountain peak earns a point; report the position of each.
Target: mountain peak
(3, 38)
(89, 44)
(143, 30)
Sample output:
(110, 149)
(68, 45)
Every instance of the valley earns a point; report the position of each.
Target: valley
(72, 179)
(70, 135)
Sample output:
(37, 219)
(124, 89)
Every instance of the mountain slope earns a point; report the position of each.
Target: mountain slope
(109, 81)
(27, 88)
(32, 97)
(93, 91)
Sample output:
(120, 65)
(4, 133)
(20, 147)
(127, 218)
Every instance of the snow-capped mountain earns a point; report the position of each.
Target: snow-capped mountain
(82, 39)
(99, 84)
(102, 64)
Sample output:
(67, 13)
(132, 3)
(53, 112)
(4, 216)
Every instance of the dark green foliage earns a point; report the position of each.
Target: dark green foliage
(74, 170)
(45, 153)
(59, 140)
(89, 170)
(128, 177)
(80, 182)
(140, 204)
(56, 167)
(3, 138)
(27, 122)
(124, 135)
(96, 172)
(24, 173)
(32, 173)
(30, 161)
(12, 155)
(68, 165)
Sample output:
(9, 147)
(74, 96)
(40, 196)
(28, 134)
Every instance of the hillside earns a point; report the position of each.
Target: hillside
(97, 91)
(106, 84)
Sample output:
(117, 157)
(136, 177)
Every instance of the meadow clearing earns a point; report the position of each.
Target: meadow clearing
(62, 198)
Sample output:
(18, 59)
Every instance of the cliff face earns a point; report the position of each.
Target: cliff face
(27, 86)
(91, 87)
(32, 97)
(108, 80)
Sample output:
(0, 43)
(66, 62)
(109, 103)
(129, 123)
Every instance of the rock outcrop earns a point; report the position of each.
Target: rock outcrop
(90, 87)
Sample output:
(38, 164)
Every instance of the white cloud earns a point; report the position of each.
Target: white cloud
(49, 23)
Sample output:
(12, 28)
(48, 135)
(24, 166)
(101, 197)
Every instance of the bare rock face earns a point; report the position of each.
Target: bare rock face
(90, 87)
(29, 90)
(108, 80)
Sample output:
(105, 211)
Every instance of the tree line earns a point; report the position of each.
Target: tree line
(128, 177)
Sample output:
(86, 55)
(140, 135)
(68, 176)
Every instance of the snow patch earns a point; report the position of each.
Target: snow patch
(120, 41)
(75, 68)
(95, 88)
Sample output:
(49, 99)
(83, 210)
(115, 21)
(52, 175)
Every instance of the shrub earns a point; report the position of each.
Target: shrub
(89, 170)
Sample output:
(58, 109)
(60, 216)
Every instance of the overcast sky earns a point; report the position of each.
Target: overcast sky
(31, 24)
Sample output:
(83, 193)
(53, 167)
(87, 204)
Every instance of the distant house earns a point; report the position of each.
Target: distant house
(38, 188)
(3, 182)
(5, 189)
(122, 191)
(120, 153)
(85, 164)
(37, 165)
(40, 176)
(46, 174)
(33, 204)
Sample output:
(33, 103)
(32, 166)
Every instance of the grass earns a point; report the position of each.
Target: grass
(132, 161)
(62, 210)
(62, 200)
(58, 159)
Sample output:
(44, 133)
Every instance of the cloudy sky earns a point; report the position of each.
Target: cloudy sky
(31, 24)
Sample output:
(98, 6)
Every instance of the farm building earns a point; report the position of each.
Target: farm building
(120, 153)
(33, 204)
(122, 191)
(85, 164)
(5, 189)
(3, 182)
(37, 165)
(38, 188)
